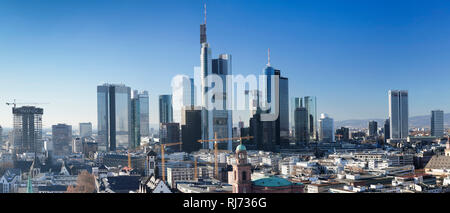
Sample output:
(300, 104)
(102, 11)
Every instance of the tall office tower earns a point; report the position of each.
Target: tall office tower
(220, 120)
(144, 113)
(114, 116)
(191, 131)
(169, 132)
(135, 121)
(282, 122)
(165, 109)
(27, 132)
(284, 110)
(183, 94)
(214, 120)
(373, 128)
(398, 114)
(437, 123)
(326, 128)
(205, 66)
(310, 103)
(296, 102)
(343, 134)
(62, 139)
(301, 124)
(85, 130)
(387, 128)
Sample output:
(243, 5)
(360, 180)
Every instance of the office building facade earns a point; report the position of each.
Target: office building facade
(114, 117)
(437, 123)
(301, 125)
(85, 130)
(373, 129)
(165, 109)
(62, 139)
(27, 132)
(326, 128)
(191, 130)
(398, 114)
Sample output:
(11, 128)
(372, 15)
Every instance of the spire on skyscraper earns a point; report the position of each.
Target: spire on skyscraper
(268, 57)
(203, 29)
(205, 13)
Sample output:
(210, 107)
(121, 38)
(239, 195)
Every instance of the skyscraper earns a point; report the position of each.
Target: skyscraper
(437, 123)
(191, 130)
(387, 129)
(165, 109)
(284, 110)
(398, 114)
(183, 94)
(62, 139)
(214, 120)
(144, 113)
(135, 120)
(373, 128)
(310, 103)
(301, 124)
(296, 102)
(114, 116)
(326, 128)
(85, 130)
(27, 132)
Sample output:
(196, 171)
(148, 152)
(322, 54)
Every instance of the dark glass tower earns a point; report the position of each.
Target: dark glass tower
(114, 116)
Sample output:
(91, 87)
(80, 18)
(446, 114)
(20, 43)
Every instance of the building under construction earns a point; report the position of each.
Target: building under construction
(28, 129)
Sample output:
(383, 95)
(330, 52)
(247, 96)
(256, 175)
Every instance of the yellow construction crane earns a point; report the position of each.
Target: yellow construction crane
(163, 146)
(216, 149)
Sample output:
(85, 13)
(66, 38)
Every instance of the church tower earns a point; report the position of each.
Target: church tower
(242, 171)
(150, 164)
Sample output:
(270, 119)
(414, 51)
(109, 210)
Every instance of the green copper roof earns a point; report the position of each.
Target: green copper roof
(272, 182)
(241, 147)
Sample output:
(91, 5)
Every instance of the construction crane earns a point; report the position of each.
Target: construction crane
(15, 103)
(163, 146)
(216, 149)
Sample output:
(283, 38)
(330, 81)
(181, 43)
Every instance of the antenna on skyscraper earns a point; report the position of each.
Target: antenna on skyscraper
(205, 13)
(268, 57)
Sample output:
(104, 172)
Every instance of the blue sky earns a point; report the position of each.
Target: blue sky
(347, 53)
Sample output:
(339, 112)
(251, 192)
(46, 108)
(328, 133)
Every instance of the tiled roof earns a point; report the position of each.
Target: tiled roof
(439, 162)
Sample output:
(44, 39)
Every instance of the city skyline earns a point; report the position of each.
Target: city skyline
(57, 53)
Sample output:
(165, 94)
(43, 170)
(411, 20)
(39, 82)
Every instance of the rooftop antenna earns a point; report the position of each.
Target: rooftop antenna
(205, 13)
(268, 57)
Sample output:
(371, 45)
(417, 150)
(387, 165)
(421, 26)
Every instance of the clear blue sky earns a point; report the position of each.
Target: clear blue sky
(347, 53)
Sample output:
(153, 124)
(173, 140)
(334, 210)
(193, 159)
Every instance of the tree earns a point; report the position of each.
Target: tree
(85, 183)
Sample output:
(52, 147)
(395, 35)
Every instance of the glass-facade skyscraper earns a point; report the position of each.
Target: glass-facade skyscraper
(214, 121)
(301, 124)
(437, 123)
(144, 108)
(114, 116)
(165, 109)
(135, 120)
(398, 114)
(326, 128)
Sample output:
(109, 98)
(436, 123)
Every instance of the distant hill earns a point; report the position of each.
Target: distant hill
(422, 121)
